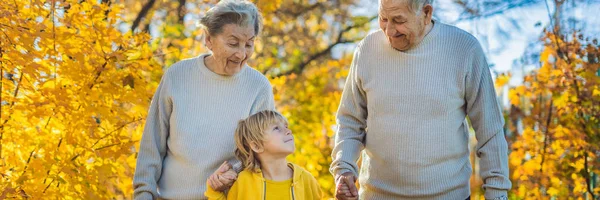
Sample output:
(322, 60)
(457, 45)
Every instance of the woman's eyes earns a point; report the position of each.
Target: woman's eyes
(237, 44)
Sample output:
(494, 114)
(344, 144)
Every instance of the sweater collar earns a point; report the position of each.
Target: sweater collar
(297, 174)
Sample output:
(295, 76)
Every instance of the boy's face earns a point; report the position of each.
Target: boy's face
(279, 140)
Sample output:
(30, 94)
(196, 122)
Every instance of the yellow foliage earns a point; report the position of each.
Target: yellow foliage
(66, 130)
(76, 87)
(555, 153)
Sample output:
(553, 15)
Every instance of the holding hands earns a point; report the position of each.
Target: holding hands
(345, 187)
(223, 178)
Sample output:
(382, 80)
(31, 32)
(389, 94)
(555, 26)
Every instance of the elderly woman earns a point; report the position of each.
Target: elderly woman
(192, 118)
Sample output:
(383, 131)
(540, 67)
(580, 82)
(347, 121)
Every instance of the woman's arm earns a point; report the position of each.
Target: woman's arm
(154, 143)
(264, 100)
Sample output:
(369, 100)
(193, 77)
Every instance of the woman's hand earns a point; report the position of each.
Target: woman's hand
(223, 178)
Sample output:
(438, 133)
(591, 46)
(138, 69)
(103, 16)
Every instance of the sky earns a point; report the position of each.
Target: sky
(505, 36)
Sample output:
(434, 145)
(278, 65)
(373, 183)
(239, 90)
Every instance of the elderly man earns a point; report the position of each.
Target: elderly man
(409, 89)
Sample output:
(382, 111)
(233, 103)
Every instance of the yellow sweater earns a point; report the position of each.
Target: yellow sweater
(251, 185)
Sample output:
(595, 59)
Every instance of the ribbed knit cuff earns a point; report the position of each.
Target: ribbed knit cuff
(144, 196)
(493, 193)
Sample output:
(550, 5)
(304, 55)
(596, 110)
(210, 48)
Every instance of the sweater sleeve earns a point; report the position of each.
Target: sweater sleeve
(488, 122)
(264, 100)
(352, 122)
(154, 143)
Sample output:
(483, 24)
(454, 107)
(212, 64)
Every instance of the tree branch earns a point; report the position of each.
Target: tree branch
(98, 74)
(181, 11)
(15, 94)
(587, 176)
(340, 40)
(295, 12)
(119, 128)
(145, 9)
(546, 140)
(27, 164)
(474, 15)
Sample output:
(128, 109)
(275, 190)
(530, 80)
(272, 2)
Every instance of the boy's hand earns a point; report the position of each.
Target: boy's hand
(223, 178)
(346, 190)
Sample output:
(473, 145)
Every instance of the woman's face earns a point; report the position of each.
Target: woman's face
(231, 48)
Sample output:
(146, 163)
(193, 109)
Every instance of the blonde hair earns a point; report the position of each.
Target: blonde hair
(251, 131)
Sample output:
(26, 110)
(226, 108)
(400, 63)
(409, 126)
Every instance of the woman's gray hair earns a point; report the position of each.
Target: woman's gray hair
(240, 12)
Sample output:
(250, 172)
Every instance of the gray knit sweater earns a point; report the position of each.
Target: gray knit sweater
(407, 111)
(190, 127)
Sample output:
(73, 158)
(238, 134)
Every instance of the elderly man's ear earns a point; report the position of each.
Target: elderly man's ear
(428, 11)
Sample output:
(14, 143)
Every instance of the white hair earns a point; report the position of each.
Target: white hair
(416, 5)
(240, 12)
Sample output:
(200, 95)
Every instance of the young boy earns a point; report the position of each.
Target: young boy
(263, 141)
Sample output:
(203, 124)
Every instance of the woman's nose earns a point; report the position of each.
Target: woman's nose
(240, 53)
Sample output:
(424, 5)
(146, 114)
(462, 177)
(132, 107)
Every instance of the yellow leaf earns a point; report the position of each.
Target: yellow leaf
(49, 84)
(552, 191)
(596, 92)
(502, 80)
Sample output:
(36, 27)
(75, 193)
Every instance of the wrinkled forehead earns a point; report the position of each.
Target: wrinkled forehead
(394, 7)
(235, 31)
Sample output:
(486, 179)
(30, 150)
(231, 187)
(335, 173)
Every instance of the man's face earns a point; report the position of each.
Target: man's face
(402, 26)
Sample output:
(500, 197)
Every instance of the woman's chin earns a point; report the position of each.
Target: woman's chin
(232, 70)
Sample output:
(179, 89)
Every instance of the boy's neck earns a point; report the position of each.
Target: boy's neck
(276, 169)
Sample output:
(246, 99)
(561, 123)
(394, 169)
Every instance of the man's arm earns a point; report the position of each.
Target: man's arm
(488, 122)
(352, 122)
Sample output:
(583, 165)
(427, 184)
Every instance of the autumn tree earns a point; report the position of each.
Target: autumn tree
(77, 78)
(556, 113)
(75, 90)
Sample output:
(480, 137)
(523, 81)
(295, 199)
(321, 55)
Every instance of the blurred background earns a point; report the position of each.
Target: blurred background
(77, 77)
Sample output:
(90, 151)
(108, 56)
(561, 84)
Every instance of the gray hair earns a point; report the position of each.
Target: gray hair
(416, 5)
(240, 12)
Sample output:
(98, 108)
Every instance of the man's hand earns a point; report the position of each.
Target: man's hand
(223, 178)
(346, 190)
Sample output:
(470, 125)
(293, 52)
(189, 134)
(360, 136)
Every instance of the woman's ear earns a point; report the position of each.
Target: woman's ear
(256, 148)
(208, 40)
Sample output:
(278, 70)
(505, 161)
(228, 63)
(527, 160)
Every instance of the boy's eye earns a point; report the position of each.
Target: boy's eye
(276, 128)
